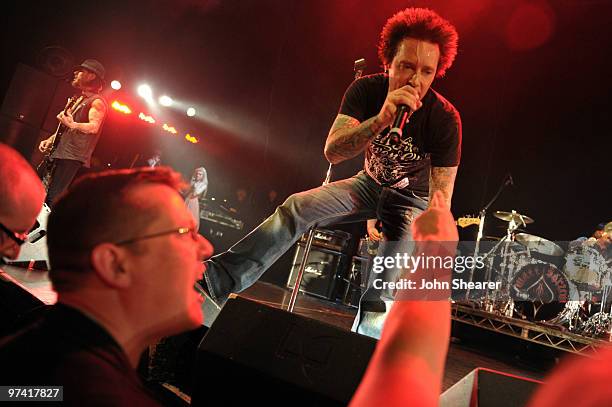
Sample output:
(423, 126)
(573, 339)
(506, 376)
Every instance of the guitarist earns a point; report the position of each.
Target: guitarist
(73, 143)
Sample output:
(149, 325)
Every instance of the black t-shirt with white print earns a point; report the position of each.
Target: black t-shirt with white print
(432, 136)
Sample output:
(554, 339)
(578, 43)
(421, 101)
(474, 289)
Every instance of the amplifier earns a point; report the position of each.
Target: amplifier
(322, 270)
(330, 239)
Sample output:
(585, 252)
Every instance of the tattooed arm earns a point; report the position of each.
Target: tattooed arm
(96, 115)
(442, 179)
(347, 137)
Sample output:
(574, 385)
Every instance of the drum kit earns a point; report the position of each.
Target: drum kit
(540, 281)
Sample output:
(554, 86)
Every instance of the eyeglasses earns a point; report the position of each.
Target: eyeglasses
(18, 238)
(181, 231)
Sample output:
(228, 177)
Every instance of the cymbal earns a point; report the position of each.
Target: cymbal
(608, 228)
(539, 244)
(509, 216)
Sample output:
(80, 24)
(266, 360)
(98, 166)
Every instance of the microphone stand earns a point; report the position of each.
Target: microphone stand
(358, 69)
(482, 216)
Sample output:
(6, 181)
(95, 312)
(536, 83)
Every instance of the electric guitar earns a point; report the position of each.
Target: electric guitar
(467, 221)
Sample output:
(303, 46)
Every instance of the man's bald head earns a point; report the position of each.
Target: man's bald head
(21, 197)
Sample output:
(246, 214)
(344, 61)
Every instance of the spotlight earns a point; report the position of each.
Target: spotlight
(169, 129)
(120, 107)
(116, 85)
(145, 92)
(146, 118)
(191, 139)
(165, 101)
(191, 112)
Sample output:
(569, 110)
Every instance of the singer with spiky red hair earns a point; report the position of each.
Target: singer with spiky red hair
(401, 173)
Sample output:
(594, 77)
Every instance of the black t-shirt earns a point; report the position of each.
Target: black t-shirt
(66, 348)
(432, 136)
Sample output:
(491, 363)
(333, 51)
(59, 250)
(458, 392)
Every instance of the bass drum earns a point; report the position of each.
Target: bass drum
(540, 291)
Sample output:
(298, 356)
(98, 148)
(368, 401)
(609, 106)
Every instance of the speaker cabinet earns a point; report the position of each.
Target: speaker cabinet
(22, 137)
(323, 268)
(489, 388)
(258, 355)
(29, 96)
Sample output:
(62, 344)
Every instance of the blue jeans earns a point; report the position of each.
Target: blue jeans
(354, 199)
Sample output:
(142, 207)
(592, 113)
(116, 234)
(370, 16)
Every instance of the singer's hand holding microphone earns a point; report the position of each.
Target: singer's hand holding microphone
(397, 108)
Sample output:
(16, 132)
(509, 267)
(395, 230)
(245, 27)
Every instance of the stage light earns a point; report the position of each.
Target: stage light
(169, 129)
(146, 118)
(165, 101)
(121, 107)
(191, 112)
(116, 85)
(145, 92)
(190, 138)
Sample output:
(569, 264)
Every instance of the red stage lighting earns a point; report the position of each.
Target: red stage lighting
(146, 118)
(169, 129)
(190, 138)
(121, 107)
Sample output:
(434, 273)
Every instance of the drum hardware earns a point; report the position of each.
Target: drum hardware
(572, 316)
(539, 244)
(599, 325)
(482, 216)
(513, 217)
(504, 244)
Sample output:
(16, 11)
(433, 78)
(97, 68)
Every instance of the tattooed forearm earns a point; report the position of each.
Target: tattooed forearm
(442, 179)
(347, 137)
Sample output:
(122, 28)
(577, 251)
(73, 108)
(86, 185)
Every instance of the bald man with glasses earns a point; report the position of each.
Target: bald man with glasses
(21, 198)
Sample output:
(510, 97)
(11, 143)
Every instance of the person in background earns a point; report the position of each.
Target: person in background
(197, 189)
(83, 122)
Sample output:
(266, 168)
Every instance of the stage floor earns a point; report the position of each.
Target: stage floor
(474, 350)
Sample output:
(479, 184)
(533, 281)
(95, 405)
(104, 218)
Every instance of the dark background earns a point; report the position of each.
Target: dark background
(531, 81)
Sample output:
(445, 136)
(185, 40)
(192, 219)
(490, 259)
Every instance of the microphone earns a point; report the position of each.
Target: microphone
(509, 180)
(403, 111)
